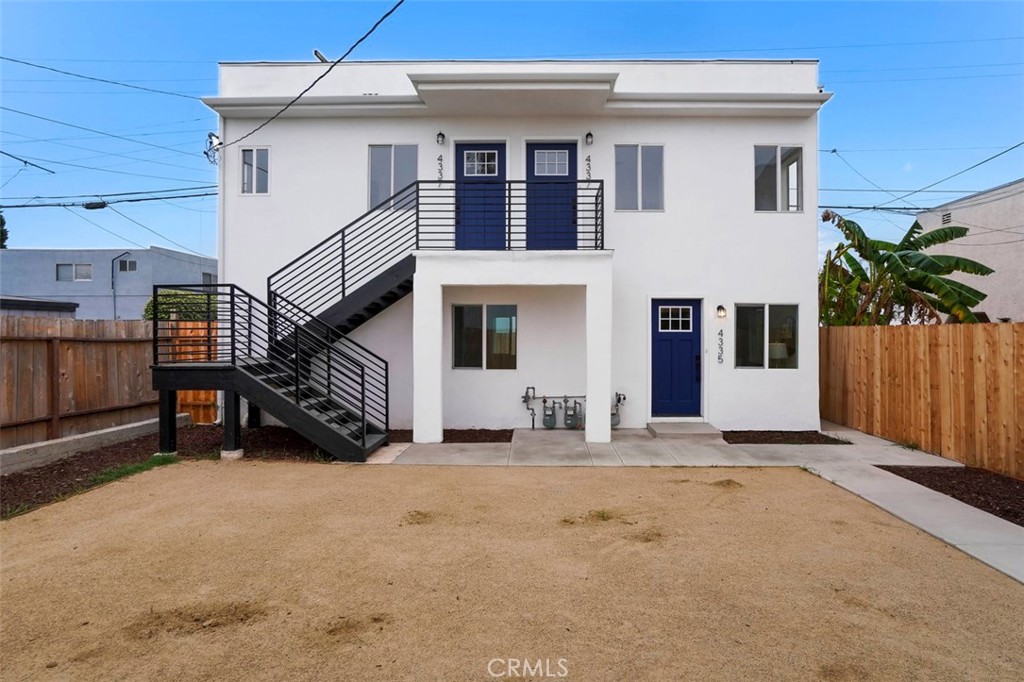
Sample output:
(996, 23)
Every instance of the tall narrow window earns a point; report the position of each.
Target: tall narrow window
(467, 336)
(392, 168)
(255, 171)
(501, 337)
(750, 336)
(639, 177)
(778, 178)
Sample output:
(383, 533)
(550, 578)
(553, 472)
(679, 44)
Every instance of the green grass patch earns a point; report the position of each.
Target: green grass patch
(114, 473)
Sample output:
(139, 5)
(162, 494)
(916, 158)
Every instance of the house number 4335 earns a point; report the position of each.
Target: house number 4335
(721, 346)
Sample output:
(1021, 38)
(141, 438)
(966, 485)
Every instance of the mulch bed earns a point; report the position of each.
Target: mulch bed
(780, 438)
(459, 435)
(24, 490)
(999, 495)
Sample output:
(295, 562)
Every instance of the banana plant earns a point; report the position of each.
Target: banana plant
(868, 281)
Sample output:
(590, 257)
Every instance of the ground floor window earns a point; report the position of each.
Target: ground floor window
(778, 345)
(472, 342)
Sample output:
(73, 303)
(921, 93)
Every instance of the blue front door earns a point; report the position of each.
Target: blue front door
(675, 357)
(551, 196)
(480, 211)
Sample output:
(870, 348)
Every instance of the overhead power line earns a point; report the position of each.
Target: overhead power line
(924, 68)
(862, 176)
(318, 78)
(927, 191)
(104, 202)
(110, 170)
(94, 78)
(102, 153)
(934, 78)
(121, 194)
(99, 132)
(913, 149)
(28, 163)
(150, 229)
(93, 222)
(958, 173)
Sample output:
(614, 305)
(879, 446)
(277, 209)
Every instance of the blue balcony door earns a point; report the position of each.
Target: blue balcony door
(551, 196)
(675, 358)
(480, 196)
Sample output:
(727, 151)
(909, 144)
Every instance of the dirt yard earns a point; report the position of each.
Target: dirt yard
(268, 570)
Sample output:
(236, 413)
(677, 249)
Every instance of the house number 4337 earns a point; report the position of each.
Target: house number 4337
(721, 346)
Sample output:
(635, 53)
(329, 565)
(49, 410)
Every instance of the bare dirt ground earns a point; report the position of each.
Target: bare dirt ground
(270, 570)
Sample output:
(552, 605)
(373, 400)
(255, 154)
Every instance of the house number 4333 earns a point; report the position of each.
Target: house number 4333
(721, 346)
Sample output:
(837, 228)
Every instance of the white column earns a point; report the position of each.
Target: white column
(427, 361)
(599, 360)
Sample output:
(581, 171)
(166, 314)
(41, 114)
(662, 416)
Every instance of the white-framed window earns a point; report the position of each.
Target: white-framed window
(481, 163)
(393, 167)
(551, 162)
(74, 272)
(255, 170)
(639, 177)
(778, 178)
(675, 318)
(484, 336)
(127, 265)
(776, 342)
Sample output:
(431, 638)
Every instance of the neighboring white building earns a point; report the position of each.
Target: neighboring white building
(995, 219)
(583, 228)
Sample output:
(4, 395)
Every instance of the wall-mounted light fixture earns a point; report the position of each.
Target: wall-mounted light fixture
(440, 138)
(589, 138)
(721, 311)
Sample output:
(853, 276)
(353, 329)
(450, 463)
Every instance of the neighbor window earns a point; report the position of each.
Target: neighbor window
(209, 278)
(639, 177)
(392, 169)
(779, 345)
(778, 179)
(472, 343)
(255, 171)
(74, 272)
(127, 265)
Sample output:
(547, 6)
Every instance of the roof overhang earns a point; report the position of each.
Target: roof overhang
(514, 94)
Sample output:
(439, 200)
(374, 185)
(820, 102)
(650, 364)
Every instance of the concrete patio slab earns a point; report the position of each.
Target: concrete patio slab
(604, 455)
(636, 453)
(474, 454)
(709, 455)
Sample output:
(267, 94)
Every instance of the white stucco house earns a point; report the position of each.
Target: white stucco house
(583, 228)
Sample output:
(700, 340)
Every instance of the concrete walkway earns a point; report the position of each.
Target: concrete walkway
(991, 540)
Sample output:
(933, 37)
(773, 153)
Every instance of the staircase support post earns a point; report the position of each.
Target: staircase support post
(232, 448)
(168, 422)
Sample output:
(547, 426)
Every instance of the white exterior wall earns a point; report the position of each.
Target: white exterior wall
(708, 243)
(995, 220)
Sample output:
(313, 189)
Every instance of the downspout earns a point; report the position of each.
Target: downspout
(113, 291)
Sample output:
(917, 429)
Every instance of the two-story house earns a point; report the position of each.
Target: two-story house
(433, 238)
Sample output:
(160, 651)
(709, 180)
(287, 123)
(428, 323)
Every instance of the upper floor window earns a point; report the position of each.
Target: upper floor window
(393, 167)
(127, 265)
(255, 171)
(209, 278)
(778, 178)
(639, 177)
(74, 272)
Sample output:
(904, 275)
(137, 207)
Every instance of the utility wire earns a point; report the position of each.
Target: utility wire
(119, 236)
(924, 68)
(110, 170)
(958, 173)
(102, 153)
(16, 174)
(106, 203)
(318, 78)
(94, 78)
(120, 194)
(164, 237)
(99, 132)
(912, 149)
(28, 163)
(864, 177)
(927, 191)
(935, 78)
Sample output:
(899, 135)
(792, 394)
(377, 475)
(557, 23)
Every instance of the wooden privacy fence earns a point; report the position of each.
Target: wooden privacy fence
(956, 390)
(62, 377)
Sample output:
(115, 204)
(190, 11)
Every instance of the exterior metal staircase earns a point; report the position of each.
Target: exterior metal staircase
(292, 356)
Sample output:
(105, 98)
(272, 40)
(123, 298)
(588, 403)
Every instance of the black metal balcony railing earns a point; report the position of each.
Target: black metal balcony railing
(292, 351)
(443, 215)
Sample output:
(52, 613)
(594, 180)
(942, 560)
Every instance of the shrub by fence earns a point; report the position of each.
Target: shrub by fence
(955, 390)
(61, 377)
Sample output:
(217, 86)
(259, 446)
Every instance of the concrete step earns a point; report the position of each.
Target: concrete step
(690, 432)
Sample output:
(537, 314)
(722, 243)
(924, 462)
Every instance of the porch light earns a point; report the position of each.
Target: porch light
(589, 138)
(440, 138)
(721, 311)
